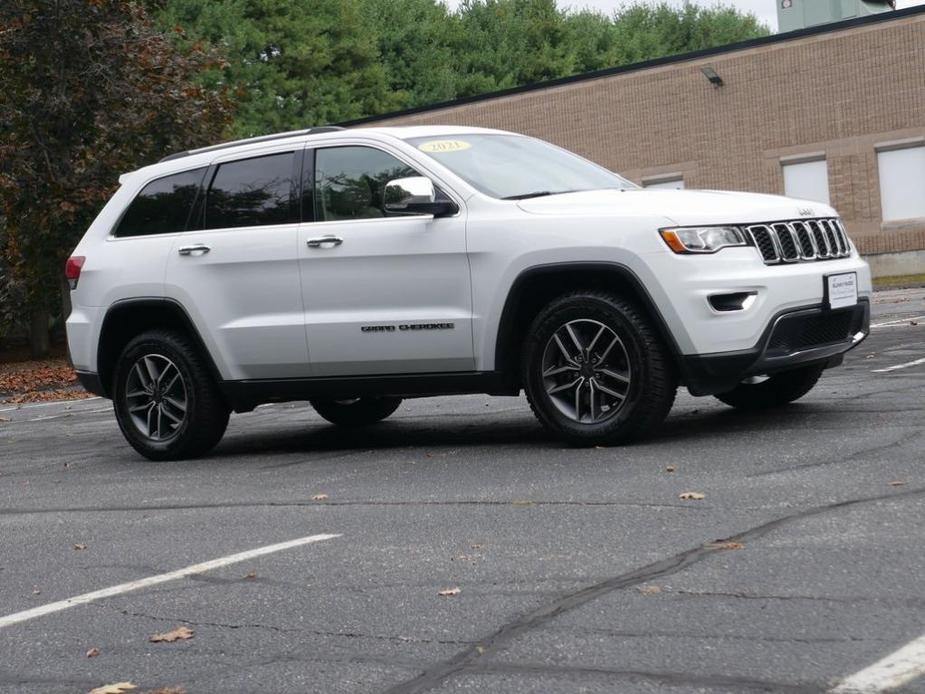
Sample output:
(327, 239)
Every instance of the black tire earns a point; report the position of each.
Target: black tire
(357, 412)
(202, 423)
(778, 390)
(644, 358)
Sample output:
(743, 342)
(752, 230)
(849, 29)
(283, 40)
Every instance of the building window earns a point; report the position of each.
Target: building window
(902, 183)
(807, 180)
(664, 183)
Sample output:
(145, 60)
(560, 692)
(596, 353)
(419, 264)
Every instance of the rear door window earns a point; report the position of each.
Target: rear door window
(251, 192)
(163, 206)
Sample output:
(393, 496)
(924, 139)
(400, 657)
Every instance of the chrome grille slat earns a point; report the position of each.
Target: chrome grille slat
(788, 249)
(763, 239)
(800, 241)
(805, 240)
(829, 238)
(816, 236)
(844, 235)
(843, 246)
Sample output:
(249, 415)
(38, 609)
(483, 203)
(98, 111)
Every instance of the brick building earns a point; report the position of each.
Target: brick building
(835, 112)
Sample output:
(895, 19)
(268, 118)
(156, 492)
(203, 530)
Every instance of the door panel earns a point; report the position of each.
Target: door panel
(244, 296)
(393, 297)
(240, 281)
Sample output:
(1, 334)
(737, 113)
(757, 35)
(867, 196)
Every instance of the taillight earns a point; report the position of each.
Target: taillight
(72, 269)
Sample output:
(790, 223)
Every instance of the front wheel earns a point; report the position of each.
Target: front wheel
(595, 370)
(774, 391)
(356, 412)
(166, 401)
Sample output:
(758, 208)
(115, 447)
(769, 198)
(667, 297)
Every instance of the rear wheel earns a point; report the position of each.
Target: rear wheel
(166, 401)
(773, 391)
(357, 411)
(595, 370)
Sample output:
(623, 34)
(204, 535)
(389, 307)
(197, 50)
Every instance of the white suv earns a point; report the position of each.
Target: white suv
(353, 268)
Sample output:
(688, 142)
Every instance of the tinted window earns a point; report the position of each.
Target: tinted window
(349, 181)
(251, 192)
(162, 206)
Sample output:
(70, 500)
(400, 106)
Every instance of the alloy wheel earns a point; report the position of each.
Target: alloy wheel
(586, 371)
(156, 397)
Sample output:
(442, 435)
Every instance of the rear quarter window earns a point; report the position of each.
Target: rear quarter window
(163, 206)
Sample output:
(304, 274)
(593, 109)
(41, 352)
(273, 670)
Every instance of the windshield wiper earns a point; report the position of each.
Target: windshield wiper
(537, 194)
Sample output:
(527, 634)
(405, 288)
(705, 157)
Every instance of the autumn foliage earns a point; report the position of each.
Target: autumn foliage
(90, 90)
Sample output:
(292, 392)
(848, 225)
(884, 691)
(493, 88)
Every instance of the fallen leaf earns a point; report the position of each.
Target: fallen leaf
(691, 496)
(178, 634)
(869, 356)
(480, 649)
(649, 590)
(320, 497)
(116, 688)
(79, 547)
(523, 503)
(93, 652)
(251, 576)
(36, 591)
(897, 483)
(725, 545)
(4, 419)
(670, 468)
(448, 592)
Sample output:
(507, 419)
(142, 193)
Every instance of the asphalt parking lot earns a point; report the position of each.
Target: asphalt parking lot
(577, 570)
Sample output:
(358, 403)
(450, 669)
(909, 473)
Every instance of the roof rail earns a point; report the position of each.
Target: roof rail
(253, 140)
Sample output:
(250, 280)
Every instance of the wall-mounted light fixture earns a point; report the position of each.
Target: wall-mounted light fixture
(711, 75)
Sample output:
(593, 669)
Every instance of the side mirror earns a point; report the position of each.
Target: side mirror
(416, 195)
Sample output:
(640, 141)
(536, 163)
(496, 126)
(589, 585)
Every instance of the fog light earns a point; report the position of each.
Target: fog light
(737, 301)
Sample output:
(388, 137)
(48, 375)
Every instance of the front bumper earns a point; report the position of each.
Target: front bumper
(793, 338)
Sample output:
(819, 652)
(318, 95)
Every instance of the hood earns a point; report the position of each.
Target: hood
(682, 207)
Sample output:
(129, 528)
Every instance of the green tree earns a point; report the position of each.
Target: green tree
(296, 63)
(507, 43)
(644, 32)
(416, 46)
(90, 90)
(290, 63)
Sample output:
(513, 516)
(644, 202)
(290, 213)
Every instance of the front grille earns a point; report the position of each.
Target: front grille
(800, 241)
(799, 332)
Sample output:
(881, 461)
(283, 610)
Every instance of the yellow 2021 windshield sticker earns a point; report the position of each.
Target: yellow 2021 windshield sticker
(442, 146)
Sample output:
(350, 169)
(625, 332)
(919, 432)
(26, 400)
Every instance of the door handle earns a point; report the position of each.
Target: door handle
(199, 249)
(324, 241)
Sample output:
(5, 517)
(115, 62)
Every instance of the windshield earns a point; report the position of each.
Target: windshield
(514, 167)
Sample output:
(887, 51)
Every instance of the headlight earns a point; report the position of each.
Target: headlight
(702, 239)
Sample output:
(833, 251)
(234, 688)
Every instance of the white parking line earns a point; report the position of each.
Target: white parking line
(68, 414)
(897, 669)
(898, 321)
(899, 366)
(26, 615)
(33, 405)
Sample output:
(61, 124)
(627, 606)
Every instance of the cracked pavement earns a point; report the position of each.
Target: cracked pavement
(580, 570)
